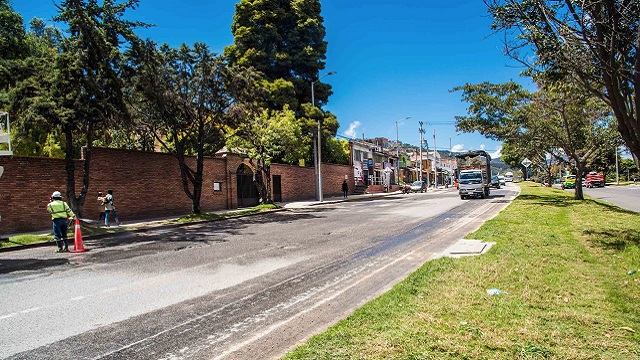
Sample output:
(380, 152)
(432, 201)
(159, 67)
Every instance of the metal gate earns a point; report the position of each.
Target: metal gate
(247, 192)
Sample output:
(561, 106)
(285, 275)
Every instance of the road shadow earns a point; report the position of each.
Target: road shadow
(11, 265)
(204, 233)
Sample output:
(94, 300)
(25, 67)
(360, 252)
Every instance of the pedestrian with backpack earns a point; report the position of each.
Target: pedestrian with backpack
(109, 208)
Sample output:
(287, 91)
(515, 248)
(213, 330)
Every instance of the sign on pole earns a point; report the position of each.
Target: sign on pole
(526, 162)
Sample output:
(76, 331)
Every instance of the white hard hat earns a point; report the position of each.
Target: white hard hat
(56, 194)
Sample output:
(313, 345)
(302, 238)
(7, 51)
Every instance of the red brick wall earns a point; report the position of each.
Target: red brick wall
(145, 186)
(298, 183)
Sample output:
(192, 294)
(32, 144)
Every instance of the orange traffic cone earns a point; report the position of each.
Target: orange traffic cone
(77, 243)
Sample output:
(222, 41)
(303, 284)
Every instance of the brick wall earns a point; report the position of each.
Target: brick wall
(145, 186)
(299, 183)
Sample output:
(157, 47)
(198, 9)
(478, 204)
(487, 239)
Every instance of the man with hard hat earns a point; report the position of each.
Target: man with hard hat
(60, 212)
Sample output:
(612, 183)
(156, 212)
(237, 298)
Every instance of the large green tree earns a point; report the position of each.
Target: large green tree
(594, 42)
(186, 97)
(72, 86)
(284, 40)
(263, 136)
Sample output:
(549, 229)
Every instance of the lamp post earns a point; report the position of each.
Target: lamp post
(318, 156)
(421, 130)
(398, 149)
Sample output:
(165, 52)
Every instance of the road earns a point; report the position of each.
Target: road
(626, 197)
(229, 289)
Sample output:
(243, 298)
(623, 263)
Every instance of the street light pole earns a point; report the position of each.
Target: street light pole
(318, 157)
(421, 132)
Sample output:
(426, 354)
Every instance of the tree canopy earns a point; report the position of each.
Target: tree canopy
(592, 42)
(560, 119)
(186, 99)
(283, 39)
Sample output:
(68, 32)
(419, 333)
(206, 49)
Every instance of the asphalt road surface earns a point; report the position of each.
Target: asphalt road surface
(246, 288)
(626, 197)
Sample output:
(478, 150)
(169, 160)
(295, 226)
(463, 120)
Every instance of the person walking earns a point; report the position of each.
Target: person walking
(100, 206)
(109, 207)
(345, 189)
(60, 214)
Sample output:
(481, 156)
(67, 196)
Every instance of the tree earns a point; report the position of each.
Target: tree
(72, 86)
(594, 42)
(186, 99)
(264, 136)
(284, 40)
(559, 119)
(337, 151)
(87, 84)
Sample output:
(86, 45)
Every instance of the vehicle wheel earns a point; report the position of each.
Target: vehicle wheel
(462, 197)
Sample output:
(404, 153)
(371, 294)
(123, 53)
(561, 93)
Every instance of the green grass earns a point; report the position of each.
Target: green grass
(25, 240)
(562, 267)
(215, 216)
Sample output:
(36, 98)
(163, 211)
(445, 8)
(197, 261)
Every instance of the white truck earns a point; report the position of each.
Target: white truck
(474, 174)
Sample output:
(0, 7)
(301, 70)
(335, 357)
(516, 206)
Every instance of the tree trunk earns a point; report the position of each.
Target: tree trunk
(197, 182)
(70, 168)
(259, 181)
(578, 194)
(267, 178)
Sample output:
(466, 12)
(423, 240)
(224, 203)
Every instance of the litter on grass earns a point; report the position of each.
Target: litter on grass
(494, 291)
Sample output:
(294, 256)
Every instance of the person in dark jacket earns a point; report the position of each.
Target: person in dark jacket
(345, 189)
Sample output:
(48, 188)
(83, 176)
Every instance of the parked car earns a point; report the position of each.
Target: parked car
(502, 180)
(495, 182)
(418, 186)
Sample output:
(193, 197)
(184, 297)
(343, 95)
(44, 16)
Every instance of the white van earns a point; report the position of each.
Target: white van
(508, 177)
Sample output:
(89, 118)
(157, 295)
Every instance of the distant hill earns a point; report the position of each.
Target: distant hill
(498, 166)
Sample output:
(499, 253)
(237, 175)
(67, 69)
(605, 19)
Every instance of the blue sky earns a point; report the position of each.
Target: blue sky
(393, 58)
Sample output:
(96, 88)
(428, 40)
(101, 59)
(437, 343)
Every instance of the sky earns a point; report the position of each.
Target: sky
(394, 59)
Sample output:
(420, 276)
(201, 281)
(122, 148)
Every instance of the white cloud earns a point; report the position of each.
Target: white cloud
(457, 148)
(482, 147)
(351, 131)
(497, 154)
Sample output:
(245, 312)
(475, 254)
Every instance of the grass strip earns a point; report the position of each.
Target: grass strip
(567, 272)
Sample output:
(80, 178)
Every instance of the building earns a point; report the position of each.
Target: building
(373, 164)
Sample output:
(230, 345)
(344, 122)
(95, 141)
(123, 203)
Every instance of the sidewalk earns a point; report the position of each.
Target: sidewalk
(168, 222)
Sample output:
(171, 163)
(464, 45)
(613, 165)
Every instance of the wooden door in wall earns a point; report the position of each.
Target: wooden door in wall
(277, 188)
(247, 192)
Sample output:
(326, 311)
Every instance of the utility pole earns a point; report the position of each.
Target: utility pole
(421, 132)
(435, 164)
